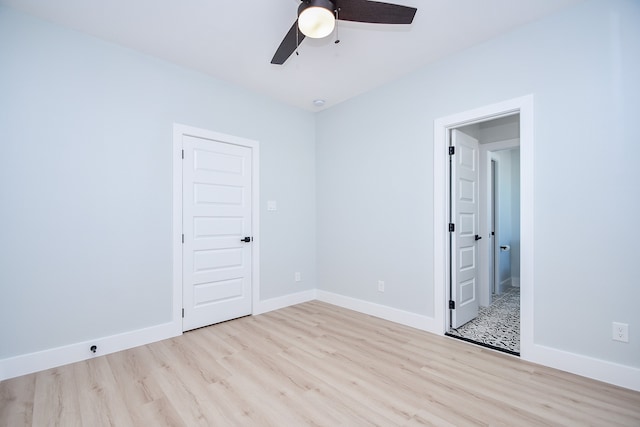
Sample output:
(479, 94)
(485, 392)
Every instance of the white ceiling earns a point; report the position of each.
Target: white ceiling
(235, 40)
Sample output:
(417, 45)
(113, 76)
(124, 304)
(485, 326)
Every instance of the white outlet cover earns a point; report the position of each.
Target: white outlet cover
(272, 205)
(620, 332)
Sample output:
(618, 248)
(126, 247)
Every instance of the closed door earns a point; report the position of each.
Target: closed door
(464, 247)
(217, 246)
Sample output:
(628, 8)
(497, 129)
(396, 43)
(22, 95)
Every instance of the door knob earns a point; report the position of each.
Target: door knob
(478, 237)
(246, 239)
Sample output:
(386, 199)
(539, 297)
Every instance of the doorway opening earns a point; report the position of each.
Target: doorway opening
(455, 254)
(484, 242)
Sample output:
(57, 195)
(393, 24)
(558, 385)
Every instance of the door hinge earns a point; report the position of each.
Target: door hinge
(183, 238)
(452, 304)
(452, 227)
(452, 150)
(183, 154)
(183, 313)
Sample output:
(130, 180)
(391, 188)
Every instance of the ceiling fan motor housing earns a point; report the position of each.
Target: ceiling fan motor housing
(326, 4)
(316, 18)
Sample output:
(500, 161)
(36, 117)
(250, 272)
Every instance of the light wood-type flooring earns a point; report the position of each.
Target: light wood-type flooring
(312, 364)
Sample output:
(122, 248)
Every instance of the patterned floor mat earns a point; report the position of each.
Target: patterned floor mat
(497, 325)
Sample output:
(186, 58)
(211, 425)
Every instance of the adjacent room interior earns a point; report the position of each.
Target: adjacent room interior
(165, 168)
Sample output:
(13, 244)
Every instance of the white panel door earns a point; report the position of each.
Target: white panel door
(216, 220)
(464, 253)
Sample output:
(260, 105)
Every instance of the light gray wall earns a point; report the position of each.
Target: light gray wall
(86, 183)
(508, 171)
(505, 196)
(375, 177)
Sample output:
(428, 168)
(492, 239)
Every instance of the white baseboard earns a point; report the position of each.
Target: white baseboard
(609, 372)
(402, 317)
(285, 301)
(597, 369)
(612, 373)
(38, 361)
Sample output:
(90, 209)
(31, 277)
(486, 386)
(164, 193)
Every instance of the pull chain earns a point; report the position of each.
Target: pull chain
(337, 18)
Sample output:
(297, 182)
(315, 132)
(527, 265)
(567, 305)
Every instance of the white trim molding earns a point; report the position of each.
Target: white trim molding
(51, 358)
(277, 303)
(597, 369)
(402, 317)
(620, 375)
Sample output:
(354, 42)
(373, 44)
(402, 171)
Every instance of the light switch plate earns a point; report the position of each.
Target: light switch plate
(272, 205)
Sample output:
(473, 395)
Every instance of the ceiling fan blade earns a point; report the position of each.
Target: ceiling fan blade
(374, 12)
(288, 46)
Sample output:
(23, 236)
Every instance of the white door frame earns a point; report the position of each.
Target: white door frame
(442, 126)
(178, 131)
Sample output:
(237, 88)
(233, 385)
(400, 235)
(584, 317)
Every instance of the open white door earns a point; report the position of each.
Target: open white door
(217, 248)
(464, 251)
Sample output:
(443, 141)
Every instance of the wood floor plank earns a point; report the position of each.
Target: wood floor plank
(312, 364)
(16, 401)
(160, 412)
(134, 380)
(100, 400)
(57, 399)
(349, 384)
(526, 396)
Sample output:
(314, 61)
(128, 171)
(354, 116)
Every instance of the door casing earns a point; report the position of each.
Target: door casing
(178, 131)
(442, 126)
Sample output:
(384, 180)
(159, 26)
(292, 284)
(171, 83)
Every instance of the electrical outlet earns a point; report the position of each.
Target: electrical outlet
(620, 332)
(297, 277)
(380, 286)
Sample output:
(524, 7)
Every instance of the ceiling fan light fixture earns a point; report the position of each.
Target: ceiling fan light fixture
(316, 18)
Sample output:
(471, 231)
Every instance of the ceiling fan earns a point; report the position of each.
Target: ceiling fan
(316, 19)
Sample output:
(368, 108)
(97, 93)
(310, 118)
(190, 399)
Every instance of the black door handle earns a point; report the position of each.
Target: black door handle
(478, 237)
(246, 239)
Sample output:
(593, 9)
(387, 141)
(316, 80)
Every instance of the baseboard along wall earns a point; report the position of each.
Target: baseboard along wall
(601, 370)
